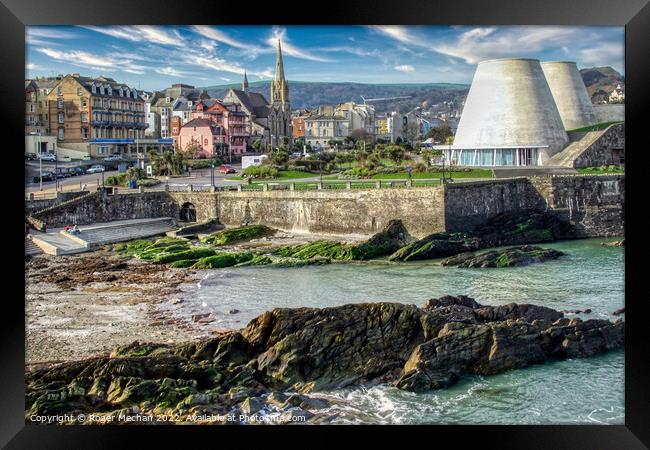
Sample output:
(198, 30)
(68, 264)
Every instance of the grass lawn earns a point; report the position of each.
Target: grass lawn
(604, 169)
(596, 127)
(282, 175)
(475, 173)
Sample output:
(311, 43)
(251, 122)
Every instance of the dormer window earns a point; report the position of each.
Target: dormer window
(110, 90)
(101, 90)
(93, 88)
(121, 92)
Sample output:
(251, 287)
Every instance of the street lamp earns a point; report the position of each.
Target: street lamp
(443, 169)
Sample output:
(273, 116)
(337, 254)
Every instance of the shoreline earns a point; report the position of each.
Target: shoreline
(84, 306)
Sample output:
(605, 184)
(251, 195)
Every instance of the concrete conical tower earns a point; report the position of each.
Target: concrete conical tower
(570, 94)
(510, 105)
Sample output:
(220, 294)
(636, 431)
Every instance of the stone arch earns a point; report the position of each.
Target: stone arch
(188, 212)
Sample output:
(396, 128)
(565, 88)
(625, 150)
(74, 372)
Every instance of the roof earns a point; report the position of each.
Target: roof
(253, 102)
(87, 83)
(204, 123)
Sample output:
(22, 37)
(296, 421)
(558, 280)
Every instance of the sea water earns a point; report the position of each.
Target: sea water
(588, 390)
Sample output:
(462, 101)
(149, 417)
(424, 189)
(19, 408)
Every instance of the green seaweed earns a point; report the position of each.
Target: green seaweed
(233, 235)
(222, 259)
(193, 253)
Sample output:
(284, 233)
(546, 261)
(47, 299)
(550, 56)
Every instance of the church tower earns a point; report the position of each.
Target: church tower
(280, 117)
(244, 86)
(279, 86)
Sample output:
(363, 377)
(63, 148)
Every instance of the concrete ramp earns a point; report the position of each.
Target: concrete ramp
(537, 171)
(31, 248)
(59, 242)
(579, 143)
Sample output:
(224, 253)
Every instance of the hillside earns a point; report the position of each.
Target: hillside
(312, 94)
(601, 81)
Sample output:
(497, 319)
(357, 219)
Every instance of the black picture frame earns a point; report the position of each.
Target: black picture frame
(633, 14)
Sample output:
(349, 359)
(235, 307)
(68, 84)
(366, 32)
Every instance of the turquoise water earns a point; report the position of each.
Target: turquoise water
(574, 391)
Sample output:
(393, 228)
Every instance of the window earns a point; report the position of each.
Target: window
(101, 90)
(59, 91)
(61, 117)
(79, 92)
(84, 103)
(110, 90)
(84, 117)
(59, 103)
(84, 133)
(61, 134)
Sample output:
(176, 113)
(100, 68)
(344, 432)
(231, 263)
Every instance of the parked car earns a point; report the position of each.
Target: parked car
(225, 168)
(31, 156)
(62, 172)
(48, 157)
(97, 168)
(113, 158)
(74, 171)
(296, 155)
(47, 176)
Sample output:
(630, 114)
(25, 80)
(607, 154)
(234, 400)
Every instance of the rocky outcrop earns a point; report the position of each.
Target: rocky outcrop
(311, 349)
(509, 257)
(502, 230)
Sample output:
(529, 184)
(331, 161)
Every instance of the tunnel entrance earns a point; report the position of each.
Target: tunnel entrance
(188, 212)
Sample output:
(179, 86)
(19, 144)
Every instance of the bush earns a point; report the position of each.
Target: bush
(149, 182)
(420, 168)
(203, 163)
(357, 172)
(260, 172)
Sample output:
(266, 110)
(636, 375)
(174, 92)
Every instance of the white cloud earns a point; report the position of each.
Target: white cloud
(49, 33)
(139, 33)
(220, 36)
(95, 62)
(32, 66)
(224, 78)
(280, 34)
(170, 71)
(608, 54)
(397, 32)
(405, 68)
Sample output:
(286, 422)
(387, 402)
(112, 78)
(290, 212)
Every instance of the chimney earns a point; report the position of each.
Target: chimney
(76, 75)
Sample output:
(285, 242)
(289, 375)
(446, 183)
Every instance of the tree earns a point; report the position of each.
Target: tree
(278, 157)
(258, 145)
(167, 163)
(193, 149)
(440, 134)
(361, 133)
(412, 132)
(395, 153)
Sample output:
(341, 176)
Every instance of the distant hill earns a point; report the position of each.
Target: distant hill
(601, 81)
(305, 94)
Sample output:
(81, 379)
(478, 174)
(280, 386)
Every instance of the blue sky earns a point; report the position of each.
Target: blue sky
(154, 57)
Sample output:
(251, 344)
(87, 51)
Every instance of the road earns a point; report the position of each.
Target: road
(198, 177)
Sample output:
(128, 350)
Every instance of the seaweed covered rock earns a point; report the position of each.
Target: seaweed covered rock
(518, 228)
(513, 228)
(239, 234)
(306, 349)
(222, 259)
(508, 257)
(438, 245)
(393, 237)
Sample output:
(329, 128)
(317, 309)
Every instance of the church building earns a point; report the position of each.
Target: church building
(270, 122)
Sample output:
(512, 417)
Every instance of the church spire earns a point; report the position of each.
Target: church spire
(245, 83)
(279, 67)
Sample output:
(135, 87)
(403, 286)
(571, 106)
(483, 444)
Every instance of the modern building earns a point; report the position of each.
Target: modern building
(569, 93)
(96, 116)
(510, 117)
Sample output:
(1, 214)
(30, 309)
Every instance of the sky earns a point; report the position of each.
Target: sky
(154, 57)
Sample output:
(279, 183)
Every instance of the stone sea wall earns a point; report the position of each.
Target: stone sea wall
(100, 207)
(594, 204)
(336, 211)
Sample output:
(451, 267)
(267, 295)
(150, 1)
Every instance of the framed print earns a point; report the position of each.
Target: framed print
(386, 215)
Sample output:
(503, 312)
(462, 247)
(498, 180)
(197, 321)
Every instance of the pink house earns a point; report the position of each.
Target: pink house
(228, 117)
(203, 133)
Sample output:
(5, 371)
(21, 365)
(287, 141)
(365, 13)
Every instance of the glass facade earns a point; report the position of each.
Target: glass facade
(493, 157)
